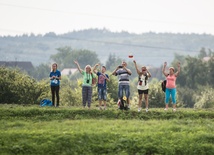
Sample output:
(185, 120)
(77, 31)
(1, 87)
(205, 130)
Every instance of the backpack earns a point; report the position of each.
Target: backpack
(46, 102)
(123, 104)
(163, 85)
(94, 80)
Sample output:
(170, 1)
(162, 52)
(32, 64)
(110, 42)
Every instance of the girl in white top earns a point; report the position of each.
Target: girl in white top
(143, 86)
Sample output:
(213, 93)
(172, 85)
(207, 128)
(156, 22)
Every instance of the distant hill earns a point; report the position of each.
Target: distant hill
(148, 48)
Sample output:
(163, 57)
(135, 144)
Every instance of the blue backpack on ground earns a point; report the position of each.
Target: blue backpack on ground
(46, 102)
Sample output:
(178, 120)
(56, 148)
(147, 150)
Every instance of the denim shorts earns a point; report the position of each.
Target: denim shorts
(124, 88)
(102, 94)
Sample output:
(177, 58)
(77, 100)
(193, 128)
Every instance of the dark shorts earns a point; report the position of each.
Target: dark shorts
(143, 91)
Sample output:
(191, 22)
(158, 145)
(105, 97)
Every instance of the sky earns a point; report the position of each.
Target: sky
(19, 17)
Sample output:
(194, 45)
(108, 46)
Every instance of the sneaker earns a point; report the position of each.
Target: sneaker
(174, 110)
(147, 109)
(166, 109)
(139, 109)
(100, 108)
(105, 108)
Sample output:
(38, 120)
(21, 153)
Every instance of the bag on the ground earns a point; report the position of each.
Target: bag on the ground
(123, 104)
(163, 85)
(46, 102)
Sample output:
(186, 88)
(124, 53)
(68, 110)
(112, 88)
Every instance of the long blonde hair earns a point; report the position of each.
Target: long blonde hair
(89, 67)
(52, 66)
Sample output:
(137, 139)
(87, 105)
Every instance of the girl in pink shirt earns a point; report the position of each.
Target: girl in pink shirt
(170, 85)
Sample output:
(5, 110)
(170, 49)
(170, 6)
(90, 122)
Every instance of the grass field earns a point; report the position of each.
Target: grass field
(72, 130)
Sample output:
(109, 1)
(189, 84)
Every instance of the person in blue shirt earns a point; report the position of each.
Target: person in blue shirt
(55, 76)
(102, 90)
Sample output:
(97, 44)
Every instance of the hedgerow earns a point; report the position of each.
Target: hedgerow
(17, 87)
(73, 113)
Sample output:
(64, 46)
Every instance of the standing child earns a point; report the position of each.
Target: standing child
(102, 90)
(55, 76)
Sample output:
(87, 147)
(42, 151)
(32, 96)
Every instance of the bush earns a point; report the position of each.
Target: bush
(187, 96)
(156, 95)
(205, 99)
(70, 92)
(20, 88)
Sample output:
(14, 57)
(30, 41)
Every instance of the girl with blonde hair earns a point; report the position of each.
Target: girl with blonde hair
(55, 76)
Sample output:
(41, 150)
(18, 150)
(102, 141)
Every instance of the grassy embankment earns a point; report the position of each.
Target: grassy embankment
(67, 130)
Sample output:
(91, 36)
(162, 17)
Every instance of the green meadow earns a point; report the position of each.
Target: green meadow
(73, 130)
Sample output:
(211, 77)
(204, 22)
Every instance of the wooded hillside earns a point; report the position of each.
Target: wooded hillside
(149, 48)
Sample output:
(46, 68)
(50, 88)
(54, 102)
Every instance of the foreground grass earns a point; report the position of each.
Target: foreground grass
(33, 130)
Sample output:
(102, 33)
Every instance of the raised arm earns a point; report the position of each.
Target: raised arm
(78, 66)
(164, 68)
(149, 74)
(179, 69)
(138, 71)
(95, 68)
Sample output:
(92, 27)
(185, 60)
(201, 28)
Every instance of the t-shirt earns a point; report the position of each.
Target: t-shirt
(55, 82)
(171, 79)
(123, 76)
(143, 83)
(87, 78)
(101, 80)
